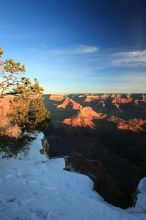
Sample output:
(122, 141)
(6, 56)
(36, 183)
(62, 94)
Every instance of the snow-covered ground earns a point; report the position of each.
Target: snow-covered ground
(36, 188)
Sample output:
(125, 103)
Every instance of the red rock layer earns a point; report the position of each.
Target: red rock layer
(122, 100)
(139, 101)
(56, 97)
(91, 98)
(134, 125)
(117, 101)
(84, 118)
(69, 101)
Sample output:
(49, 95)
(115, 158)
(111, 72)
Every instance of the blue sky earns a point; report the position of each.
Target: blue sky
(78, 45)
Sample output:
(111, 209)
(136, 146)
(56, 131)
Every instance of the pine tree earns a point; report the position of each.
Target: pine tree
(9, 74)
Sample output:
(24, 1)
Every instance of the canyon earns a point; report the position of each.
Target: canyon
(97, 137)
(90, 108)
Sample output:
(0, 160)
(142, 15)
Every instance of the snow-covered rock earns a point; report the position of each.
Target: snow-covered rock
(34, 188)
(141, 197)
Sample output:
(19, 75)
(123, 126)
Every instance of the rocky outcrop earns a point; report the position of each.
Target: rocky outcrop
(102, 97)
(84, 118)
(135, 125)
(56, 97)
(7, 126)
(104, 184)
(67, 102)
(101, 103)
(46, 146)
(118, 100)
(122, 100)
(139, 101)
(92, 168)
(91, 98)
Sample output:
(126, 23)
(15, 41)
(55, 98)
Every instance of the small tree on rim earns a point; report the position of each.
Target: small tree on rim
(9, 74)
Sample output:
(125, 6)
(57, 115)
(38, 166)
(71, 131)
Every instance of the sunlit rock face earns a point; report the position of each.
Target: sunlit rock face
(91, 98)
(67, 102)
(144, 99)
(135, 125)
(56, 97)
(139, 101)
(89, 112)
(122, 100)
(84, 118)
(7, 127)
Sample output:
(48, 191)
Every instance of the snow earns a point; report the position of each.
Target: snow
(35, 188)
(141, 198)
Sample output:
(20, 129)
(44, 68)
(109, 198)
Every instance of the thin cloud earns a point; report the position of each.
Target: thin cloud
(80, 49)
(131, 58)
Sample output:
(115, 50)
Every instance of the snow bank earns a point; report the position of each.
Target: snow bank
(35, 188)
(141, 197)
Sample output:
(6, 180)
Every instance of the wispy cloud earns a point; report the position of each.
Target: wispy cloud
(131, 58)
(79, 49)
(79, 68)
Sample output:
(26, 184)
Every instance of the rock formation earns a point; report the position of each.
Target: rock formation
(56, 97)
(102, 97)
(101, 103)
(104, 184)
(84, 118)
(91, 98)
(46, 146)
(139, 101)
(67, 102)
(135, 125)
(117, 101)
